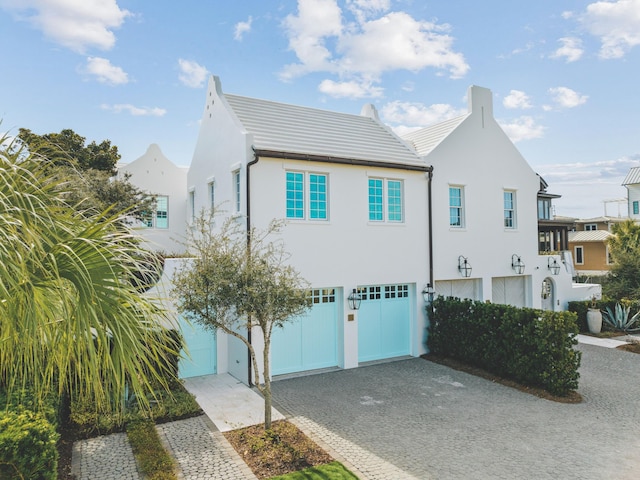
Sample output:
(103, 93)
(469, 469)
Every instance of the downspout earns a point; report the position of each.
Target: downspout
(430, 216)
(248, 198)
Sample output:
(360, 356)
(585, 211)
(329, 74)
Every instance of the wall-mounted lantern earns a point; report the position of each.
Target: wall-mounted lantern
(464, 267)
(354, 300)
(517, 264)
(428, 292)
(554, 266)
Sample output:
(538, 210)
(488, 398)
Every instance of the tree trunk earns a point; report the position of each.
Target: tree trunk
(267, 385)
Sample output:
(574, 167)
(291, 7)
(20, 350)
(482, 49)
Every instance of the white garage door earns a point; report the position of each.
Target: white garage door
(310, 341)
(459, 288)
(509, 291)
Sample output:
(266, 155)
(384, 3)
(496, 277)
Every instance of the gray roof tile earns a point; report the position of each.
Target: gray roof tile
(295, 129)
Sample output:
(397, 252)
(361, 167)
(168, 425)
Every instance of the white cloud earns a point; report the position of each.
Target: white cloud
(350, 89)
(571, 49)
(408, 115)
(323, 41)
(192, 74)
(564, 97)
(104, 71)
(242, 28)
(616, 24)
(522, 128)
(74, 24)
(517, 99)
(135, 111)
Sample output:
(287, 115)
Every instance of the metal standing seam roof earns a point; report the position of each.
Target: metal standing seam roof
(295, 129)
(428, 138)
(589, 236)
(633, 177)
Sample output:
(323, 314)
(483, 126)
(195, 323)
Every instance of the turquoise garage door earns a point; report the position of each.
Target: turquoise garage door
(310, 341)
(384, 322)
(201, 345)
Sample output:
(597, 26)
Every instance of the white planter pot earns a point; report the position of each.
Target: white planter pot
(594, 320)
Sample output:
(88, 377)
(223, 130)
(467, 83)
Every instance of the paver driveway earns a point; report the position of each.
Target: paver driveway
(435, 422)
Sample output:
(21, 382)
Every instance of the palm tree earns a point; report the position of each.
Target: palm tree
(71, 321)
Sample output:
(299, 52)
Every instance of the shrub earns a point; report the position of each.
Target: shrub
(533, 347)
(25, 399)
(27, 446)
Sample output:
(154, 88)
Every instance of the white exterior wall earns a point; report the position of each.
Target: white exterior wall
(347, 250)
(479, 157)
(156, 174)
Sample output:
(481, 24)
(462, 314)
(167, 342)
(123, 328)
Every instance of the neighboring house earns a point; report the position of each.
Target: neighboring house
(588, 244)
(164, 228)
(553, 231)
(597, 223)
(632, 184)
(590, 251)
(452, 206)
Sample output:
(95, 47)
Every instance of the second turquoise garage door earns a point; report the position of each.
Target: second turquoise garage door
(310, 341)
(384, 322)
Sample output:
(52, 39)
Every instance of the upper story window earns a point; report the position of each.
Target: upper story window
(544, 209)
(306, 196)
(192, 205)
(588, 227)
(456, 207)
(236, 191)
(160, 217)
(386, 200)
(636, 208)
(509, 209)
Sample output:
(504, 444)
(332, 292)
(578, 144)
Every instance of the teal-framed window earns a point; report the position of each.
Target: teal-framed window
(456, 206)
(162, 211)
(509, 209)
(159, 218)
(307, 196)
(636, 208)
(317, 196)
(386, 200)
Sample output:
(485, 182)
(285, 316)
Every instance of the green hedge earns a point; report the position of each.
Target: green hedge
(532, 347)
(27, 446)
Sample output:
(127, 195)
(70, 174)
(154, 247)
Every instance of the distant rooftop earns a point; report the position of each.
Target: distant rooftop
(590, 236)
(633, 177)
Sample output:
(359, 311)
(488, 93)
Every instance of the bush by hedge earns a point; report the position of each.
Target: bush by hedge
(580, 309)
(27, 446)
(532, 347)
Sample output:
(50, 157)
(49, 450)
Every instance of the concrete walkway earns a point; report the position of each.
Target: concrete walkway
(356, 427)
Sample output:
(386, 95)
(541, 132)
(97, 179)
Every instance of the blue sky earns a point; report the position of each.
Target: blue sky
(564, 74)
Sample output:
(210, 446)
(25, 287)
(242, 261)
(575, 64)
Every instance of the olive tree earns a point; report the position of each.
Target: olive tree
(237, 280)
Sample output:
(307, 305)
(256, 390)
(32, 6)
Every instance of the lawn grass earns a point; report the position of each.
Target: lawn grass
(154, 461)
(328, 471)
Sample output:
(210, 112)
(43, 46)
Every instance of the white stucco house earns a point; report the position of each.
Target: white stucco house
(453, 206)
(484, 204)
(153, 172)
(632, 184)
